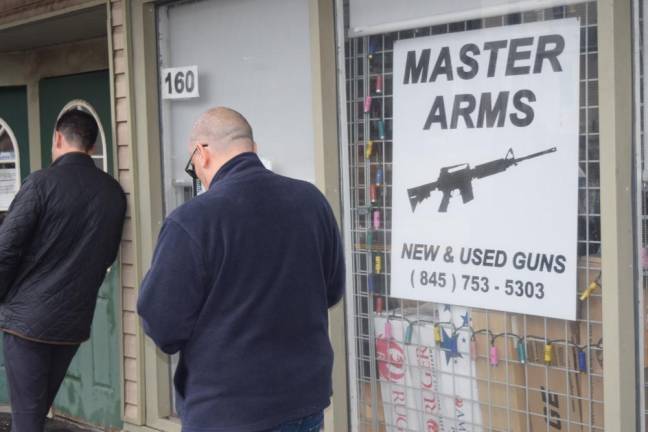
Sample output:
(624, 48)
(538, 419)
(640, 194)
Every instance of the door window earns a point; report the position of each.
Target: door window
(9, 166)
(99, 152)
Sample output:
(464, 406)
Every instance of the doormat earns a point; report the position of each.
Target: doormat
(51, 425)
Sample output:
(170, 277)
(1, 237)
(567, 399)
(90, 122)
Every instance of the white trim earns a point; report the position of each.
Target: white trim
(80, 103)
(484, 12)
(4, 127)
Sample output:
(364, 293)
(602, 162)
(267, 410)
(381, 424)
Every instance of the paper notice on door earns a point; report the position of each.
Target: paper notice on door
(8, 185)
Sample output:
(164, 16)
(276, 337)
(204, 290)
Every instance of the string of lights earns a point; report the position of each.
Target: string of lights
(493, 353)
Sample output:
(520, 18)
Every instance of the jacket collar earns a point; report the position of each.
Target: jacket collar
(74, 158)
(239, 164)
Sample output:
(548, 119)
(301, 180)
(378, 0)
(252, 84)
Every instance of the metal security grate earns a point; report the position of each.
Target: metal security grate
(513, 372)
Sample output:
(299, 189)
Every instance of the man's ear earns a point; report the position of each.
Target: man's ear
(58, 139)
(204, 156)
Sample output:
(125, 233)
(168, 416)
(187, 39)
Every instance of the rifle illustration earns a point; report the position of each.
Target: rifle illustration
(461, 176)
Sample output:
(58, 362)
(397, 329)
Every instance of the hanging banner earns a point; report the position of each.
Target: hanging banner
(485, 168)
(427, 386)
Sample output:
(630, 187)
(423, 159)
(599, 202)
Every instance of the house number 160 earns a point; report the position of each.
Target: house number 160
(180, 83)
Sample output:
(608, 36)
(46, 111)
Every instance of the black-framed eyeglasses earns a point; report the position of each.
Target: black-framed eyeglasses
(189, 168)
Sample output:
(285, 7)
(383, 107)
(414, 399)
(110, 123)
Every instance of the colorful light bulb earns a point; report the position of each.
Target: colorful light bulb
(368, 149)
(380, 176)
(367, 104)
(548, 353)
(378, 264)
(373, 193)
(521, 351)
(408, 334)
(370, 240)
(379, 84)
(582, 361)
(494, 359)
(379, 304)
(588, 292)
(371, 49)
(376, 219)
(381, 129)
(437, 333)
(370, 284)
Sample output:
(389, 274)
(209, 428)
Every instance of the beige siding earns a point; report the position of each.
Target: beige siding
(120, 62)
(131, 362)
(121, 86)
(117, 14)
(130, 346)
(119, 41)
(16, 10)
(123, 158)
(130, 299)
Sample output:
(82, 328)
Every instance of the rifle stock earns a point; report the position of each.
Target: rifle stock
(419, 193)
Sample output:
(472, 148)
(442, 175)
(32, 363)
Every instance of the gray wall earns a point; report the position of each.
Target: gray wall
(252, 55)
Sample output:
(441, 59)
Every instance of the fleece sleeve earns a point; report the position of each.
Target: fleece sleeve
(173, 291)
(16, 231)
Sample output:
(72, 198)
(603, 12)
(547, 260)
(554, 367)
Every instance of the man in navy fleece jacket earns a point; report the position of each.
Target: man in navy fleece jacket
(240, 285)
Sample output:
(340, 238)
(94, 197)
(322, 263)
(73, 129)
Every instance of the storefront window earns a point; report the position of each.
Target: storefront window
(9, 166)
(499, 359)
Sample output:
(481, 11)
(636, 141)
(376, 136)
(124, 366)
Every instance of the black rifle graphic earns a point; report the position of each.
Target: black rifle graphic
(461, 176)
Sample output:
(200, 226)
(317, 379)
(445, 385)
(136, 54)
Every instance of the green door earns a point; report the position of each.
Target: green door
(13, 132)
(91, 390)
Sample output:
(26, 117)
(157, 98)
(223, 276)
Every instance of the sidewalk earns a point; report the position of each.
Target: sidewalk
(52, 425)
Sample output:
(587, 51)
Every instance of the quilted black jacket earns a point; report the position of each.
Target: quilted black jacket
(61, 234)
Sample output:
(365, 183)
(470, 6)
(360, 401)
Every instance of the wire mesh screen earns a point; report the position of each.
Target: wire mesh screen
(433, 367)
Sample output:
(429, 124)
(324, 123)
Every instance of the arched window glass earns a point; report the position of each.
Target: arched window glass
(9, 166)
(99, 152)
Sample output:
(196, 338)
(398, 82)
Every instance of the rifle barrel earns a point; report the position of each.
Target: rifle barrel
(535, 155)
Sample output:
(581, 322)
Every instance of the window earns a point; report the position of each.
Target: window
(99, 152)
(564, 393)
(9, 166)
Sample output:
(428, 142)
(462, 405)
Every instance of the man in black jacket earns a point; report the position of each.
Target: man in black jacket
(60, 236)
(240, 285)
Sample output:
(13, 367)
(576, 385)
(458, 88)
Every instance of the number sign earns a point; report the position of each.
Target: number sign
(180, 82)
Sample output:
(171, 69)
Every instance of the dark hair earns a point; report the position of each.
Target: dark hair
(79, 128)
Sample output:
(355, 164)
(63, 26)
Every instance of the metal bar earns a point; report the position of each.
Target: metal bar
(347, 213)
(639, 64)
(615, 77)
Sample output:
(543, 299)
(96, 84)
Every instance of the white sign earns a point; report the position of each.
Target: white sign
(383, 16)
(180, 82)
(485, 168)
(8, 185)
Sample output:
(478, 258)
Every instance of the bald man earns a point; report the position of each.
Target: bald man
(240, 285)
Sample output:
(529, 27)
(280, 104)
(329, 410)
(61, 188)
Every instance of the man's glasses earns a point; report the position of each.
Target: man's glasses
(190, 169)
